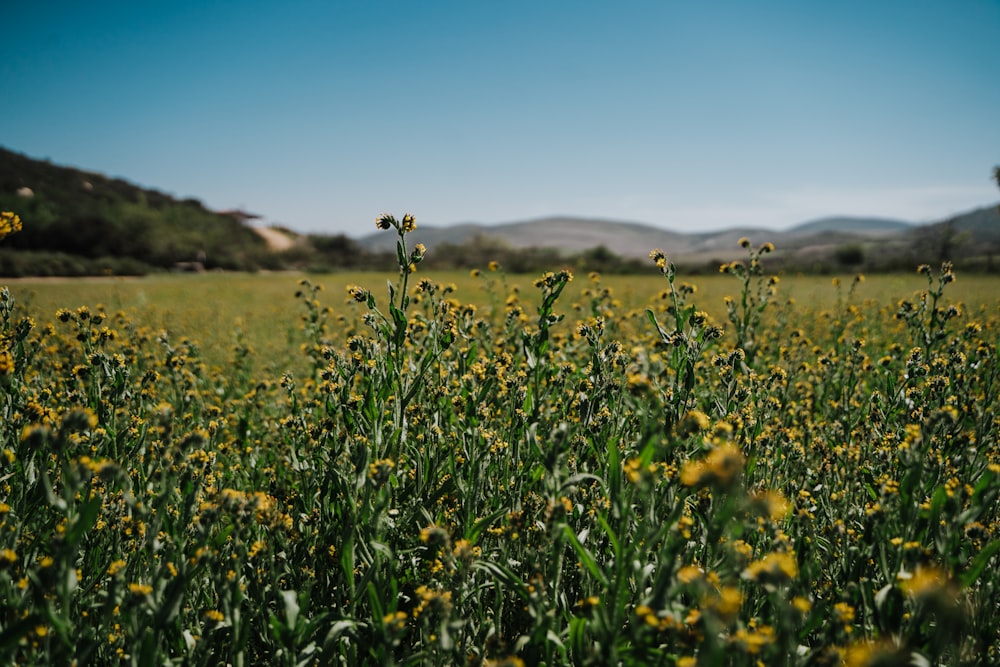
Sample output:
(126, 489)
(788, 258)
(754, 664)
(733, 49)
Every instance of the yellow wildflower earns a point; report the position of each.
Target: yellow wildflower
(140, 590)
(775, 568)
(10, 223)
(720, 468)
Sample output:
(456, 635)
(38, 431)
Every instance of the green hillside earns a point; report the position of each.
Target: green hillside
(82, 223)
(78, 222)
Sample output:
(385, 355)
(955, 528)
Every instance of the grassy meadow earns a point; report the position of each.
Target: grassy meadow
(457, 469)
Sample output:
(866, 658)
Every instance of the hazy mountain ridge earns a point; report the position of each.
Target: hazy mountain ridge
(856, 225)
(634, 239)
(826, 244)
(78, 222)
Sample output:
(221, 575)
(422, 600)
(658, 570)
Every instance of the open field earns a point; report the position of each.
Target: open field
(454, 470)
(213, 309)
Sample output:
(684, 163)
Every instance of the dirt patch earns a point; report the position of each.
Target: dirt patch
(276, 240)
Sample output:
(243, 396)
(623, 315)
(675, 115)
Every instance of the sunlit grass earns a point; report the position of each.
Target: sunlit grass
(212, 308)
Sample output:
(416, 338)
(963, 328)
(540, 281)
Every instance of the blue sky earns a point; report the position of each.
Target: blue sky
(687, 115)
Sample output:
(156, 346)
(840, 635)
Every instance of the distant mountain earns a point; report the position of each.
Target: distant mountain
(568, 234)
(852, 225)
(78, 222)
(632, 239)
(826, 244)
(982, 224)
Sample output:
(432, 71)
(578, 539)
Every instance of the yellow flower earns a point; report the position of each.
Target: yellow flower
(742, 551)
(688, 574)
(929, 584)
(727, 605)
(395, 622)
(434, 535)
(10, 223)
(380, 470)
(140, 590)
(6, 363)
(256, 548)
(845, 612)
(752, 641)
(870, 654)
(465, 551)
(693, 422)
(433, 600)
(720, 468)
(770, 504)
(775, 568)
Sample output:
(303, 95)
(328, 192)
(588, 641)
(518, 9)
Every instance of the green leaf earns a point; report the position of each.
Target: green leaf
(445, 640)
(577, 478)
(979, 564)
(909, 483)
(343, 627)
(616, 544)
(586, 558)
(347, 565)
(170, 603)
(937, 502)
(477, 529)
(222, 536)
(505, 576)
(889, 609)
(147, 655)
(85, 520)
(401, 253)
(578, 638)
(291, 603)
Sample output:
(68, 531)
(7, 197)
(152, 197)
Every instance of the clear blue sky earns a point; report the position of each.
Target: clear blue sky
(688, 115)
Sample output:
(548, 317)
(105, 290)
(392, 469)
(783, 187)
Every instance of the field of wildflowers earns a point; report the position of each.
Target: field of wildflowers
(519, 481)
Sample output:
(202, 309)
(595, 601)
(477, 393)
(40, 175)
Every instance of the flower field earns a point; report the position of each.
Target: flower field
(550, 470)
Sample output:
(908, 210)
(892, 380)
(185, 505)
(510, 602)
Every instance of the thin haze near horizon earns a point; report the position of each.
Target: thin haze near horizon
(689, 116)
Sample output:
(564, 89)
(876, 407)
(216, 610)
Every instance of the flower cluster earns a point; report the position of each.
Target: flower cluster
(10, 223)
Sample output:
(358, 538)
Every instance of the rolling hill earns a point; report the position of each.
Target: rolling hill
(84, 222)
(79, 222)
(635, 240)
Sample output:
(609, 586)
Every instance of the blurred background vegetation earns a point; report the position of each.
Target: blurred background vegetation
(82, 223)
